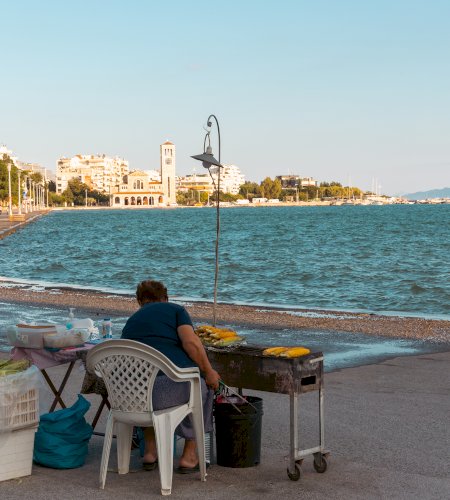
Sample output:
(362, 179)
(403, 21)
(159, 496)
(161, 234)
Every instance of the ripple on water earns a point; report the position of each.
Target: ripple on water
(364, 258)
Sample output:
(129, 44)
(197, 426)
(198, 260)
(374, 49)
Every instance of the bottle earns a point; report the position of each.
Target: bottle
(69, 323)
(107, 328)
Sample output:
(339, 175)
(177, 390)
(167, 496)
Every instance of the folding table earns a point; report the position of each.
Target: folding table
(44, 359)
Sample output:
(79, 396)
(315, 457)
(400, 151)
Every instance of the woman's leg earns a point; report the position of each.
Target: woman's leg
(150, 453)
(167, 393)
(189, 457)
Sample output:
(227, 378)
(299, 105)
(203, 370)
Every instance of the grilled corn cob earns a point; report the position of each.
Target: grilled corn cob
(274, 351)
(223, 334)
(295, 352)
(227, 341)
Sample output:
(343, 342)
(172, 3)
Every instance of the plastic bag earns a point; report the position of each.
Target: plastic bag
(62, 439)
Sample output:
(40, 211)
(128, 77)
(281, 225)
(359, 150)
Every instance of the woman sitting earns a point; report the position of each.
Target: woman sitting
(167, 327)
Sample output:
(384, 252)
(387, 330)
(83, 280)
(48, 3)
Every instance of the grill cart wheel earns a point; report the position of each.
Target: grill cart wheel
(322, 465)
(294, 476)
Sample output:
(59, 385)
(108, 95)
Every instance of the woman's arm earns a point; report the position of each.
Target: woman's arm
(195, 350)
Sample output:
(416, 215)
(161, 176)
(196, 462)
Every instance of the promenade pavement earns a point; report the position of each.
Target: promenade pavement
(7, 226)
(386, 427)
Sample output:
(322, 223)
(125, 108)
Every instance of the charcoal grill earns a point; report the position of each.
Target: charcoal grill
(244, 366)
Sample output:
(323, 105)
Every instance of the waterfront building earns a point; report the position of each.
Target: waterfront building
(29, 167)
(149, 188)
(231, 178)
(201, 183)
(296, 182)
(99, 172)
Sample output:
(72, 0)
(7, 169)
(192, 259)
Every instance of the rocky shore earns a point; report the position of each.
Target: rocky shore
(97, 304)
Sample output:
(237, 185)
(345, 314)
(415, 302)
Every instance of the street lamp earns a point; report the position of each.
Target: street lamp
(208, 161)
(9, 190)
(18, 193)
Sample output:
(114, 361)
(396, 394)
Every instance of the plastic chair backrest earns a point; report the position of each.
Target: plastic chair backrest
(128, 369)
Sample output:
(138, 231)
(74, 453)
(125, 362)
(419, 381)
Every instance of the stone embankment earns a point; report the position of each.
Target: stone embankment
(9, 225)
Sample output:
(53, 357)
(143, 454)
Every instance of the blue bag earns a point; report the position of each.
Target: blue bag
(61, 441)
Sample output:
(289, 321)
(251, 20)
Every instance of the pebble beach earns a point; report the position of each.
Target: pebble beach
(98, 304)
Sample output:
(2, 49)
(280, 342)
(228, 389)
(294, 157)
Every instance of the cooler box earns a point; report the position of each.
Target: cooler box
(16, 453)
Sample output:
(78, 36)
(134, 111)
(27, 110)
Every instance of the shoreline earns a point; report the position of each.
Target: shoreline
(98, 304)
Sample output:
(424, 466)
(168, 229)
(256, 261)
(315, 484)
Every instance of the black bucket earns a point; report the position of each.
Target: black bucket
(238, 433)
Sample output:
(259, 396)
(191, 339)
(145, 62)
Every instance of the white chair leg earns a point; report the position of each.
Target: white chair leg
(164, 444)
(106, 449)
(124, 434)
(199, 429)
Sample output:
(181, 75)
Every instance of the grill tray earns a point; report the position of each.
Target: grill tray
(245, 366)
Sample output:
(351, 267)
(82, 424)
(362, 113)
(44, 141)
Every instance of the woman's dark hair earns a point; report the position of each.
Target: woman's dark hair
(151, 291)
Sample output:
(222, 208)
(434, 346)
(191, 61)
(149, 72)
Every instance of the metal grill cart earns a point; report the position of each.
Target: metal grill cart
(245, 366)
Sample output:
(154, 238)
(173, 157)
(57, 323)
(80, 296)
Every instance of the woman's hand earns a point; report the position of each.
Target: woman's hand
(195, 350)
(212, 379)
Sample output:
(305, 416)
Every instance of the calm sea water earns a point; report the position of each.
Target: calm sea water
(375, 258)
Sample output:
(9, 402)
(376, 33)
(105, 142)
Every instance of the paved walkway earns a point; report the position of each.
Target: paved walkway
(386, 426)
(7, 227)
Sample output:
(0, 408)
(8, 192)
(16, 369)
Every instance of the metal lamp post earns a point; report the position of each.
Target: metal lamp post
(18, 193)
(208, 161)
(9, 190)
(33, 198)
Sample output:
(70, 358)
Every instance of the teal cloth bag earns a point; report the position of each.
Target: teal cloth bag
(61, 441)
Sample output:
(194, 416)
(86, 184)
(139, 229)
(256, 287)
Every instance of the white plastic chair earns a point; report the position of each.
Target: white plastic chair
(128, 369)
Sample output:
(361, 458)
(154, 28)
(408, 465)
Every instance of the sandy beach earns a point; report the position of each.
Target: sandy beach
(97, 304)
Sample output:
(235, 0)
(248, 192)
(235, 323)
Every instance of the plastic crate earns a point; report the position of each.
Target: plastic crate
(16, 453)
(19, 400)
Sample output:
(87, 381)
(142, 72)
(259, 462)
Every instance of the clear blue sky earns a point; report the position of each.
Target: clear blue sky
(337, 89)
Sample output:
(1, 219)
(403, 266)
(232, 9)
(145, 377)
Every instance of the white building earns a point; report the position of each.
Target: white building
(149, 188)
(195, 182)
(29, 167)
(99, 172)
(231, 178)
(5, 151)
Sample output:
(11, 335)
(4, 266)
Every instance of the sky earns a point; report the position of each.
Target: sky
(340, 90)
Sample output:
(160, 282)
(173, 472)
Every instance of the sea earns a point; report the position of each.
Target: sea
(392, 259)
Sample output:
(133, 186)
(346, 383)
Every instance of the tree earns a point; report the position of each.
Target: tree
(270, 188)
(250, 190)
(52, 186)
(76, 193)
(36, 177)
(55, 200)
(4, 185)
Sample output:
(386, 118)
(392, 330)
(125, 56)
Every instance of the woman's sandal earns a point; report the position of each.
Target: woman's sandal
(150, 465)
(189, 470)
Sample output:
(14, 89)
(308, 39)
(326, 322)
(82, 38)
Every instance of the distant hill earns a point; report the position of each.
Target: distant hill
(433, 193)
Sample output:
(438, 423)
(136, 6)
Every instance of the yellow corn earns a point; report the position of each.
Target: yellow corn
(225, 334)
(228, 341)
(295, 352)
(274, 351)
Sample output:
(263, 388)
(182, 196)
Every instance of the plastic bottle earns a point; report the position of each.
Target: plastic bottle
(107, 328)
(69, 323)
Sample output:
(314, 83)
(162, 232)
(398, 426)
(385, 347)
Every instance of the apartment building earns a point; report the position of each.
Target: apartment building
(99, 172)
(195, 182)
(231, 178)
(296, 182)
